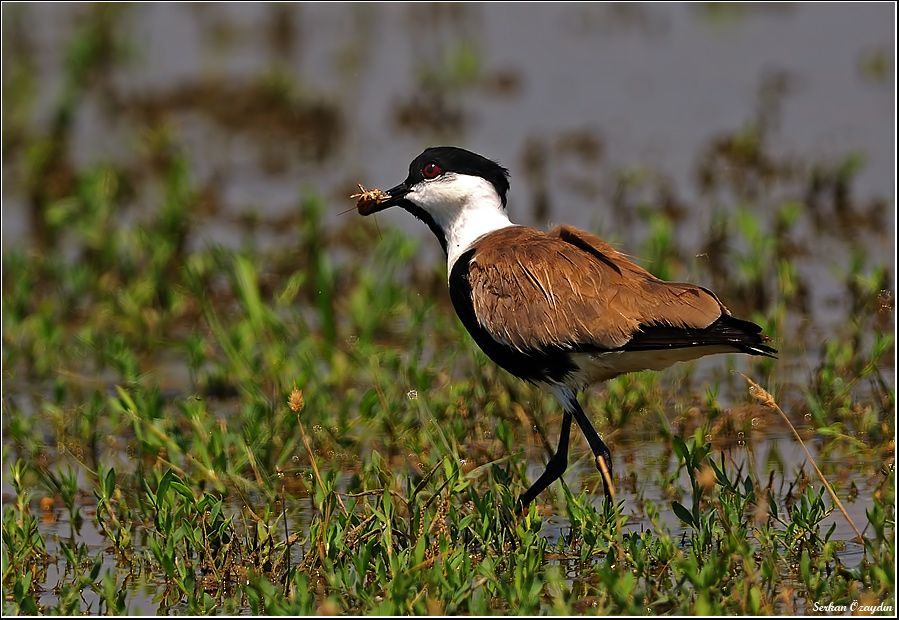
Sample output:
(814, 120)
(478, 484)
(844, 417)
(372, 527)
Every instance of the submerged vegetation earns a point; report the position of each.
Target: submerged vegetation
(200, 427)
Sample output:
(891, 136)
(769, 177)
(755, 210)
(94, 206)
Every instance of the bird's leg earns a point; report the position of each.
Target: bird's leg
(600, 450)
(554, 468)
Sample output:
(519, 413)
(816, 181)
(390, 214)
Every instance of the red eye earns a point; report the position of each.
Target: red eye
(431, 171)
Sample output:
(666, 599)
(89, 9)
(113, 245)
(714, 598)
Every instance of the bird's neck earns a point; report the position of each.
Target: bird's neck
(474, 218)
(458, 212)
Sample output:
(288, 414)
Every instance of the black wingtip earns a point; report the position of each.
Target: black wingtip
(749, 336)
(744, 336)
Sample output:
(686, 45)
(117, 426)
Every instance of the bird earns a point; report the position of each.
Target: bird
(561, 309)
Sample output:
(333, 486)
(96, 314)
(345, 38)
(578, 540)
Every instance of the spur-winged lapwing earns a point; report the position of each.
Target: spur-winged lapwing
(561, 309)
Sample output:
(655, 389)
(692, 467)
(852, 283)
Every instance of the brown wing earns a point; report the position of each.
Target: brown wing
(534, 290)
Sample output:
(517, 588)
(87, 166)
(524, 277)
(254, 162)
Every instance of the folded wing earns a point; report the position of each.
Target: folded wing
(569, 289)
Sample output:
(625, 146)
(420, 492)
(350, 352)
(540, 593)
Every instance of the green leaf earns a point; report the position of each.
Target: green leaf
(95, 569)
(755, 600)
(683, 514)
(805, 564)
(680, 449)
(247, 282)
(183, 490)
(164, 483)
(109, 483)
(747, 484)
(772, 505)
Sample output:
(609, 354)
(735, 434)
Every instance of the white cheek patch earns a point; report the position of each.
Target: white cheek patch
(440, 194)
(464, 206)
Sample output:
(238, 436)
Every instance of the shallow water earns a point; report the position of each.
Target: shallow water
(649, 84)
(569, 97)
(145, 590)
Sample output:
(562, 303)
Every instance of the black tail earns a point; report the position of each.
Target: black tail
(744, 336)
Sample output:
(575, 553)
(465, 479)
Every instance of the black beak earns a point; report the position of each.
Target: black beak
(394, 196)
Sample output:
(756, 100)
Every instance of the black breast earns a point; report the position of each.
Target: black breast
(537, 365)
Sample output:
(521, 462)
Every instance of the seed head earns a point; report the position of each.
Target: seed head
(296, 402)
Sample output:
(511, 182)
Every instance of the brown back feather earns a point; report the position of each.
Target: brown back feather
(532, 290)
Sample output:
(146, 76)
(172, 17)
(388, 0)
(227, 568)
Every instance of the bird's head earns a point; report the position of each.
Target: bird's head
(457, 193)
(443, 180)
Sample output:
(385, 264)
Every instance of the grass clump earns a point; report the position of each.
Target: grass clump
(192, 427)
(239, 431)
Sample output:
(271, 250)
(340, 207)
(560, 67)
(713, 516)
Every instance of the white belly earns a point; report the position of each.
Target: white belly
(596, 367)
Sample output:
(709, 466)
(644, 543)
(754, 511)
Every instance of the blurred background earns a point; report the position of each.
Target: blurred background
(661, 128)
(581, 102)
(605, 114)
(180, 250)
